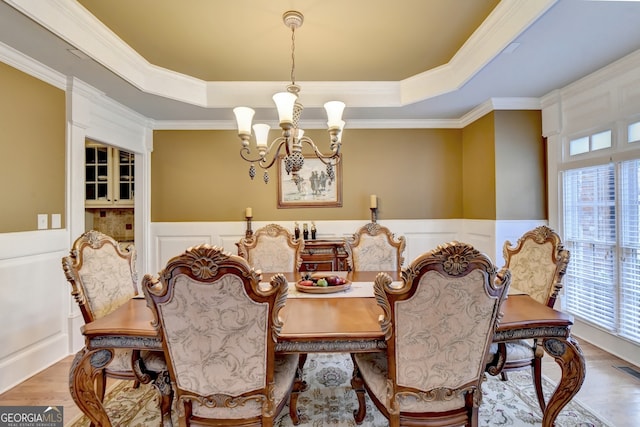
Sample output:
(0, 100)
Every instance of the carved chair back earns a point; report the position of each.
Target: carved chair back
(102, 276)
(538, 263)
(375, 248)
(219, 329)
(439, 325)
(272, 249)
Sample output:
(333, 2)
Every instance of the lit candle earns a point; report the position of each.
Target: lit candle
(248, 213)
(374, 201)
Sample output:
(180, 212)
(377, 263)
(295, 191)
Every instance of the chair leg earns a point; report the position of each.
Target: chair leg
(299, 386)
(162, 383)
(357, 383)
(503, 376)
(473, 422)
(536, 373)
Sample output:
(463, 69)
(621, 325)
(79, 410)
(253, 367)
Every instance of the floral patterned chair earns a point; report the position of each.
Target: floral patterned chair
(375, 248)
(538, 263)
(219, 330)
(272, 249)
(102, 278)
(438, 325)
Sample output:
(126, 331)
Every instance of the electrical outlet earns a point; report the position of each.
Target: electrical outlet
(43, 221)
(56, 221)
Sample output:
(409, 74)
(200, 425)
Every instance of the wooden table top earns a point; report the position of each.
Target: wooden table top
(328, 318)
(131, 319)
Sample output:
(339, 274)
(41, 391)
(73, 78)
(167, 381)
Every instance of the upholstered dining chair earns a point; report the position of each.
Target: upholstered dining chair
(102, 278)
(374, 247)
(438, 325)
(219, 329)
(538, 263)
(272, 249)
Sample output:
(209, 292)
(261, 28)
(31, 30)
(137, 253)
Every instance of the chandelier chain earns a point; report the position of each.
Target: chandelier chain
(293, 55)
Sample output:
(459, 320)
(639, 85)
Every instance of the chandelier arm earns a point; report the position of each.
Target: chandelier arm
(262, 161)
(289, 111)
(324, 158)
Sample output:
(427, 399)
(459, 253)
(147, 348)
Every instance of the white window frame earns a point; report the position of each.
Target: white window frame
(621, 150)
(591, 152)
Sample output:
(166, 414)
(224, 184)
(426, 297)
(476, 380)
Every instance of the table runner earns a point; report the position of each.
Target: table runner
(356, 290)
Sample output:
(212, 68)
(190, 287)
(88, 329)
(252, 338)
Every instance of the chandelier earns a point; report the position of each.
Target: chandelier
(291, 141)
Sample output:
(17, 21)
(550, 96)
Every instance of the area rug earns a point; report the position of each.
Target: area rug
(330, 401)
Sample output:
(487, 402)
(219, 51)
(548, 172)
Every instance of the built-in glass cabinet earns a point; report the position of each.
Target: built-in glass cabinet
(109, 176)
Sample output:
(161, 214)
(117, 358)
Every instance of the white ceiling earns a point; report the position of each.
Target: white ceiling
(416, 63)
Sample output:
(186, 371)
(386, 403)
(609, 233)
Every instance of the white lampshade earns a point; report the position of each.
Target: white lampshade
(284, 102)
(334, 113)
(300, 133)
(342, 123)
(261, 131)
(244, 116)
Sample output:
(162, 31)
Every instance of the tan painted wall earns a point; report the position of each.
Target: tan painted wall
(199, 176)
(478, 169)
(32, 149)
(520, 166)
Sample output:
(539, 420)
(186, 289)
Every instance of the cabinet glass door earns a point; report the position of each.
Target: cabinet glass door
(126, 168)
(96, 173)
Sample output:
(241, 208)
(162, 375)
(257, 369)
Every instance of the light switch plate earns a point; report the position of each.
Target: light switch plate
(56, 220)
(43, 221)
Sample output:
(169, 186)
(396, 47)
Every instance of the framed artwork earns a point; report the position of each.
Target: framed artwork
(315, 189)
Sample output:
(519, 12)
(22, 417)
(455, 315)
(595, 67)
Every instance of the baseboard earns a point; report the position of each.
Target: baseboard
(625, 350)
(18, 367)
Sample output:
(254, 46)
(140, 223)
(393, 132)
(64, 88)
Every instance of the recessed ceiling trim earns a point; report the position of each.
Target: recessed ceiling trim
(506, 22)
(73, 23)
(313, 94)
(314, 124)
(484, 108)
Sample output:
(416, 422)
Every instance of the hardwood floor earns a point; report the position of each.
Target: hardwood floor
(607, 390)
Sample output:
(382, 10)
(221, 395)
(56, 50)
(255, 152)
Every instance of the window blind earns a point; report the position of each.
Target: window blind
(629, 311)
(590, 235)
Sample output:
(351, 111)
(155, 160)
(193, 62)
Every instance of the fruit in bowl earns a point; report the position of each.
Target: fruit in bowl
(321, 280)
(306, 283)
(336, 280)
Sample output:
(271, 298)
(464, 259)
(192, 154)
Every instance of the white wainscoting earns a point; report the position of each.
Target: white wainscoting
(169, 239)
(34, 303)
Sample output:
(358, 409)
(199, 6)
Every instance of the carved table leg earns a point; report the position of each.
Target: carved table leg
(86, 365)
(568, 355)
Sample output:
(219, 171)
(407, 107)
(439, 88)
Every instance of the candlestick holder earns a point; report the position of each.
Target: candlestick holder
(374, 214)
(249, 232)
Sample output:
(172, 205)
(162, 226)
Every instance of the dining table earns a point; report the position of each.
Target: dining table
(344, 322)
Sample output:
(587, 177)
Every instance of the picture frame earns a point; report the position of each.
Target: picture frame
(315, 190)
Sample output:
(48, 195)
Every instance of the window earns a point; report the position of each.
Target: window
(585, 144)
(633, 132)
(601, 220)
(630, 250)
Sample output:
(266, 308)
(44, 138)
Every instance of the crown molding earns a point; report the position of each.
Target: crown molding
(486, 107)
(505, 23)
(21, 62)
(73, 23)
